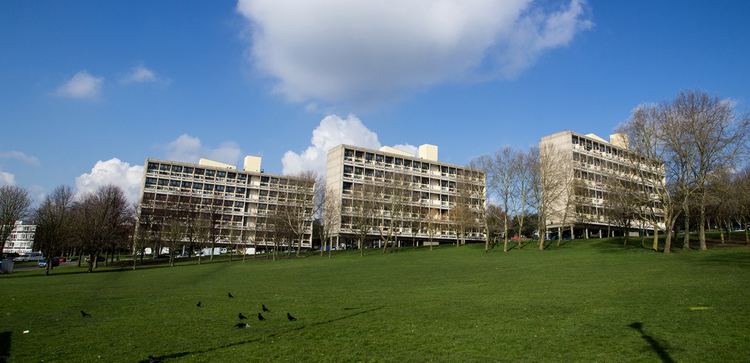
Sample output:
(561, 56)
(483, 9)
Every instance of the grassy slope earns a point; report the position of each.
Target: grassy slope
(573, 303)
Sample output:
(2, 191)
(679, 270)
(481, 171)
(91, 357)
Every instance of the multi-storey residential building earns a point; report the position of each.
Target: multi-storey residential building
(414, 198)
(21, 239)
(239, 204)
(603, 175)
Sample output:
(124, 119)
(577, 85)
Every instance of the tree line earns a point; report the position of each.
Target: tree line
(697, 141)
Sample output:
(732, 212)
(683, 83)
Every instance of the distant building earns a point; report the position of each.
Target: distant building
(21, 239)
(240, 201)
(594, 164)
(415, 195)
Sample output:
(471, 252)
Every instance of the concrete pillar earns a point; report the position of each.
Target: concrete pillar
(559, 233)
(586, 233)
(572, 234)
(600, 233)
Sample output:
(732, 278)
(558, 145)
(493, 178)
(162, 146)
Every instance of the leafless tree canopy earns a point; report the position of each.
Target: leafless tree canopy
(14, 205)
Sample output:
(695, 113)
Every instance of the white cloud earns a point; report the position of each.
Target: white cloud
(335, 50)
(19, 155)
(81, 85)
(189, 149)
(113, 171)
(333, 131)
(140, 74)
(7, 178)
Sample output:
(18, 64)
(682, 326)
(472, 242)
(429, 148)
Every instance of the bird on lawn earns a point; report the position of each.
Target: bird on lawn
(265, 309)
(260, 317)
(242, 317)
(242, 325)
(85, 314)
(198, 304)
(230, 294)
(290, 317)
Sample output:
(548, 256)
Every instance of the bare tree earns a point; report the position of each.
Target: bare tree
(550, 188)
(328, 218)
(464, 216)
(523, 165)
(363, 209)
(53, 221)
(432, 225)
(140, 238)
(100, 218)
(298, 211)
(173, 232)
(14, 205)
(501, 183)
(493, 224)
(657, 134)
(718, 137)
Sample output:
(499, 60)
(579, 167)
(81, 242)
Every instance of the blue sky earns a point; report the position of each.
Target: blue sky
(258, 78)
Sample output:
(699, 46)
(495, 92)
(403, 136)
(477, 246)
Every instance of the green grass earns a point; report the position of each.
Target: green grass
(450, 304)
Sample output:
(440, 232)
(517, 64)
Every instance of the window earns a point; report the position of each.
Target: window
(197, 185)
(208, 187)
(176, 168)
(219, 188)
(187, 170)
(174, 183)
(210, 172)
(163, 181)
(153, 166)
(150, 182)
(186, 184)
(200, 171)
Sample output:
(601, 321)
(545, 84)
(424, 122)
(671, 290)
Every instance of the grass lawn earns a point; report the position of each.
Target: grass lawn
(573, 303)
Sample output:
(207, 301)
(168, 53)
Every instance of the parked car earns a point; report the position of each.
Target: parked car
(55, 262)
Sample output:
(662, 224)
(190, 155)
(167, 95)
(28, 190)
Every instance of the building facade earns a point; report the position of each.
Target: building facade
(239, 206)
(21, 239)
(392, 195)
(608, 188)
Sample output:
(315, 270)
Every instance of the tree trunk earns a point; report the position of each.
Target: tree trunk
(80, 257)
(655, 246)
(721, 234)
(541, 240)
(48, 265)
(299, 245)
(96, 260)
(686, 238)
(213, 247)
(668, 239)
(702, 222)
(505, 231)
(361, 247)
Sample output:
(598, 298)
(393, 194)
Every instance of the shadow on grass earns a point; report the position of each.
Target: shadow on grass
(653, 343)
(5, 338)
(738, 258)
(255, 340)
